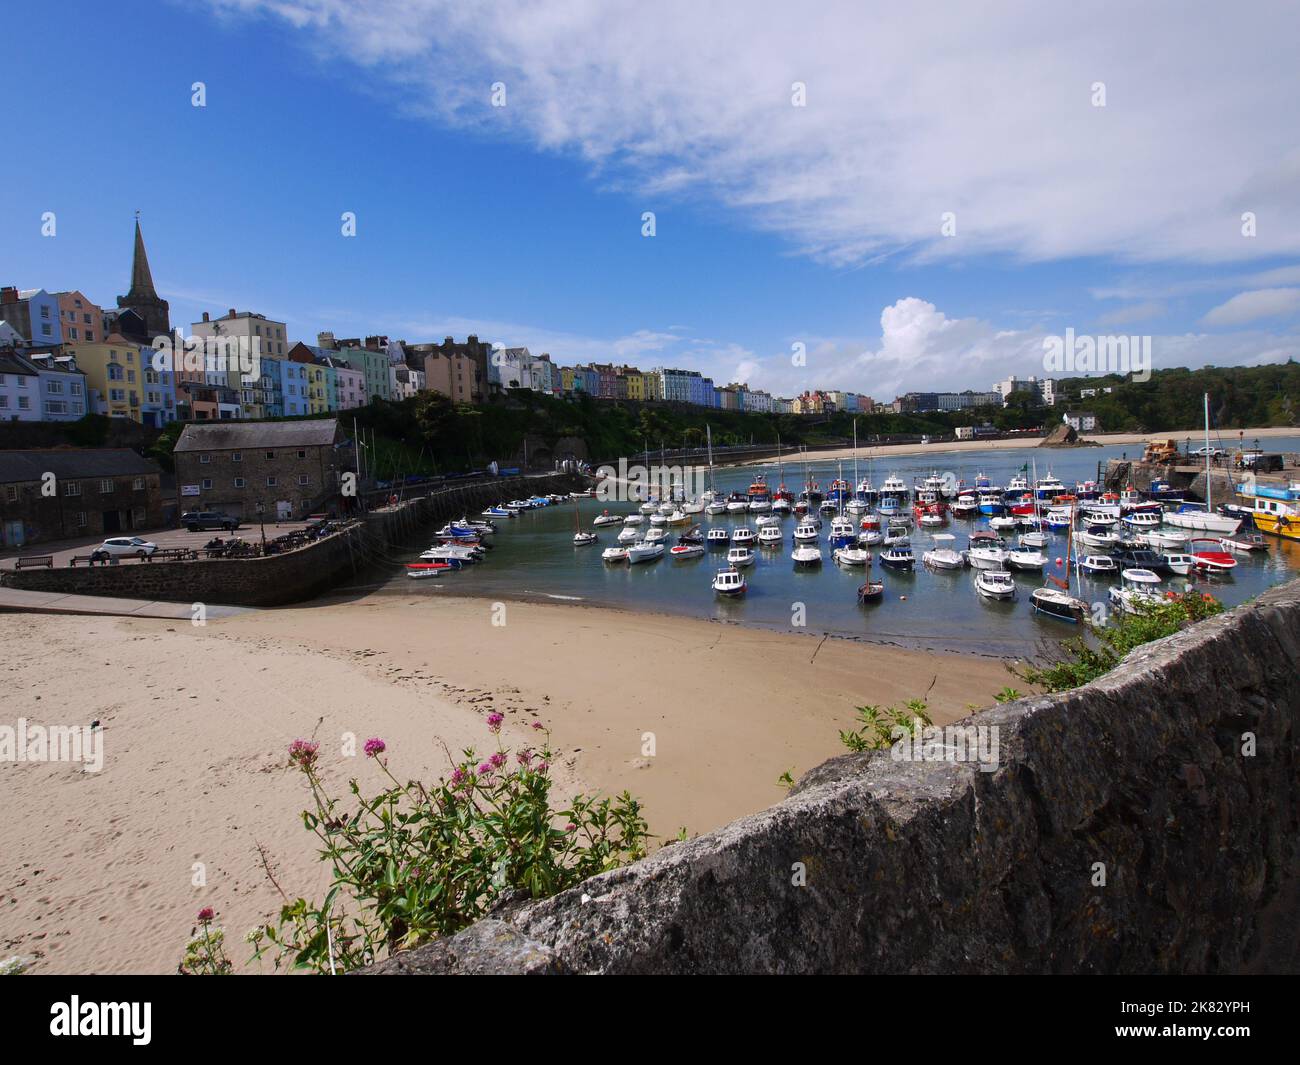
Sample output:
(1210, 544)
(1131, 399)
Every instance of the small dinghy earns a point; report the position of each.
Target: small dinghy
(423, 571)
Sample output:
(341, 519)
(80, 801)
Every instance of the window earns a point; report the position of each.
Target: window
(270, 482)
(116, 394)
(270, 454)
(207, 484)
(303, 479)
(75, 388)
(11, 493)
(72, 488)
(239, 482)
(72, 332)
(302, 454)
(81, 519)
(204, 459)
(237, 456)
(55, 388)
(137, 485)
(106, 486)
(24, 403)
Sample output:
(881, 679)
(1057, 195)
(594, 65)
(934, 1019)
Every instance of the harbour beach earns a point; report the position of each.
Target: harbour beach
(197, 722)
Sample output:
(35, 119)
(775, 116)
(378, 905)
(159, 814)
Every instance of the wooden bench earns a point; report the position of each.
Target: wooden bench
(89, 560)
(173, 554)
(34, 561)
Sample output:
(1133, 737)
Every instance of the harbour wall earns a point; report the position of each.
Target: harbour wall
(278, 580)
(1148, 822)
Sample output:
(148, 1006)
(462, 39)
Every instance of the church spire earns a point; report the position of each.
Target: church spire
(141, 278)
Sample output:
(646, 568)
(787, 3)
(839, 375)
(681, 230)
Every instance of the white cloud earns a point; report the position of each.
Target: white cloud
(1252, 306)
(1135, 312)
(984, 110)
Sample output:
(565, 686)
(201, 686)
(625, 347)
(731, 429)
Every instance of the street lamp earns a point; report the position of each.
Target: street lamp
(262, 521)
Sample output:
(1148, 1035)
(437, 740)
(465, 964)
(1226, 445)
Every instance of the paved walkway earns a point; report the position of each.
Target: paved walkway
(16, 600)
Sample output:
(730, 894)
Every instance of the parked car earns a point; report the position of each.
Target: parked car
(124, 547)
(1205, 449)
(202, 520)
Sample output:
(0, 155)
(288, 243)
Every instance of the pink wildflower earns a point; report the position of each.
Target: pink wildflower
(375, 746)
(303, 753)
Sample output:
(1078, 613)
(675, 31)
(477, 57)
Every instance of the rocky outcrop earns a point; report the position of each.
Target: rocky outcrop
(1066, 436)
(1147, 822)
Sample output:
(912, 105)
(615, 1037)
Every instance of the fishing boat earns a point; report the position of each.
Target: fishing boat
(805, 532)
(966, 505)
(1058, 604)
(760, 496)
(1181, 564)
(606, 518)
(742, 535)
(1142, 519)
(869, 530)
(806, 555)
(1210, 555)
(1059, 518)
(1023, 559)
(614, 554)
(1049, 488)
(893, 495)
(680, 551)
(990, 501)
(985, 551)
(842, 533)
(645, 551)
(942, 555)
(770, 536)
(1137, 591)
(740, 556)
(718, 537)
(898, 556)
(729, 582)
(995, 584)
(1098, 565)
(851, 556)
(871, 591)
(1273, 509)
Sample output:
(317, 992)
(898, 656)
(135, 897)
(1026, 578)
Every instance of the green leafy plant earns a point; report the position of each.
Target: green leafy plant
(413, 863)
(1096, 652)
(878, 726)
(205, 953)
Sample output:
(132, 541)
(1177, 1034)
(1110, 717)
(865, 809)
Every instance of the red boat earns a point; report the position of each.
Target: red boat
(1213, 559)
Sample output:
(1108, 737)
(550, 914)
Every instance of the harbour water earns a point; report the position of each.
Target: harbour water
(534, 557)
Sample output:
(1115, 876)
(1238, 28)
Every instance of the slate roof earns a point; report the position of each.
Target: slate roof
(73, 463)
(251, 436)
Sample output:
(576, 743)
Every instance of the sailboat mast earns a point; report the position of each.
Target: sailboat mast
(1209, 502)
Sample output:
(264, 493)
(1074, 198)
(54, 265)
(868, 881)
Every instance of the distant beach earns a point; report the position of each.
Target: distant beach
(197, 722)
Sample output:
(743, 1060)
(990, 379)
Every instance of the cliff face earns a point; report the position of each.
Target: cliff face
(1148, 822)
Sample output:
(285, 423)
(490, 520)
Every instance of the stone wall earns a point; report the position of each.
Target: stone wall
(289, 578)
(928, 867)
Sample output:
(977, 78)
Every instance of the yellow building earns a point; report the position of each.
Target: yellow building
(635, 382)
(318, 389)
(566, 379)
(114, 369)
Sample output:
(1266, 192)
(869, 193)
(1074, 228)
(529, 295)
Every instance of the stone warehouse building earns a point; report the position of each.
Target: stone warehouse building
(291, 468)
(62, 493)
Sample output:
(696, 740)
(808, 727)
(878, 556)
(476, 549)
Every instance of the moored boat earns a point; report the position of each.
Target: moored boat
(995, 584)
(729, 582)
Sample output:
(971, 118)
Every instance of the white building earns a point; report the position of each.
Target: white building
(1043, 387)
(1080, 421)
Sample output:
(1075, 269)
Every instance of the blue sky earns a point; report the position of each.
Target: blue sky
(775, 224)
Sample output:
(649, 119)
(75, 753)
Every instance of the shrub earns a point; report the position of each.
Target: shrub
(879, 726)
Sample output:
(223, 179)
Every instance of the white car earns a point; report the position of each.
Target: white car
(1205, 449)
(125, 546)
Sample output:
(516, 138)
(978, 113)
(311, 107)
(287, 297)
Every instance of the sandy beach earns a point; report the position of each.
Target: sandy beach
(99, 871)
(1229, 437)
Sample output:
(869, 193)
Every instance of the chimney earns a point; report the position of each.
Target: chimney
(205, 316)
(232, 312)
(9, 294)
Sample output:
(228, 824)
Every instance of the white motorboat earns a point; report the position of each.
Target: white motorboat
(985, 551)
(650, 506)
(740, 556)
(659, 520)
(1162, 538)
(607, 519)
(655, 536)
(1244, 543)
(667, 506)
(633, 520)
(686, 551)
(764, 520)
(770, 536)
(742, 535)
(1138, 590)
(737, 506)
(584, 539)
(629, 536)
(1210, 555)
(1098, 565)
(1003, 522)
(1179, 563)
(645, 551)
(1142, 519)
(781, 505)
(805, 532)
(898, 556)
(1058, 604)
(717, 537)
(729, 582)
(718, 506)
(1019, 558)
(677, 516)
(966, 505)
(1034, 541)
(851, 556)
(425, 571)
(942, 555)
(995, 584)
(614, 554)
(1197, 518)
(932, 519)
(1099, 537)
(806, 554)
(695, 506)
